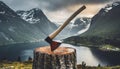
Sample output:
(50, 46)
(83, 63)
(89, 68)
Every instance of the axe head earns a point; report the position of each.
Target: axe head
(54, 45)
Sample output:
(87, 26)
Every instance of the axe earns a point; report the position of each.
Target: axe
(54, 45)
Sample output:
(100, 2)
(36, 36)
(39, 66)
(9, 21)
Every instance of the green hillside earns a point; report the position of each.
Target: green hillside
(104, 28)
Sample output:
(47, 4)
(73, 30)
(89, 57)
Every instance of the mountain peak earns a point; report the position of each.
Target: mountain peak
(116, 3)
(37, 13)
(5, 10)
(3, 6)
(104, 29)
(111, 6)
(36, 9)
(2, 3)
(107, 24)
(32, 16)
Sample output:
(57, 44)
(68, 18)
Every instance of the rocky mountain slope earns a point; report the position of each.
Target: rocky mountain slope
(104, 27)
(37, 18)
(14, 29)
(32, 25)
(77, 27)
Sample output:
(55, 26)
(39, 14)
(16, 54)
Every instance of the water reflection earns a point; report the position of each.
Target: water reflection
(85, 54)
(26, 54)
(92, 57)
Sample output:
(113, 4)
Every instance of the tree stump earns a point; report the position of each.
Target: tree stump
(61, 58)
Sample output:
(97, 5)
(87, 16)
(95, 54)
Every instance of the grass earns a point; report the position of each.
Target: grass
(16, 65)
(109, 48)
(28, 65)
(94, 67)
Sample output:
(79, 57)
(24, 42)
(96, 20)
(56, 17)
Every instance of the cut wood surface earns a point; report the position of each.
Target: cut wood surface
(61, 58)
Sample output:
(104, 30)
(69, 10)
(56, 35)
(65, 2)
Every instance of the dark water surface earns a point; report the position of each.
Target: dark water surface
(24, 50)
(91, 56)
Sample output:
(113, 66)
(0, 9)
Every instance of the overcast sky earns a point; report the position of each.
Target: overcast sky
(59, 10)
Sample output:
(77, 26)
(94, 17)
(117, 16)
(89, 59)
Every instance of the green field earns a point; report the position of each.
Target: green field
(28, 65)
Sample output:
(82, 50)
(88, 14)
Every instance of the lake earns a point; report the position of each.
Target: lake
(91, 56)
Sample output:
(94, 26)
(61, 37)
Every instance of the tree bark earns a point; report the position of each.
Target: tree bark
(61, 58)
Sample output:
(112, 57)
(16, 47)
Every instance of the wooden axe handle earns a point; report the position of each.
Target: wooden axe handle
(55, 33)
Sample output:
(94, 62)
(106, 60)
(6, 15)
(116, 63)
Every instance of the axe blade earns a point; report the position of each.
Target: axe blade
(54, 45)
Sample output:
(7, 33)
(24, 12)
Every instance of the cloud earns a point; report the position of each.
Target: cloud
(58, 4)
(22, 4)
(59, 10)
(49, 4)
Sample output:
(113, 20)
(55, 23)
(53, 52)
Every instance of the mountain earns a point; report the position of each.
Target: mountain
(80, 24)
(36, 17)
(106, 21)
(104, 27)
(74, 28)
(15, 29)
(33, 16)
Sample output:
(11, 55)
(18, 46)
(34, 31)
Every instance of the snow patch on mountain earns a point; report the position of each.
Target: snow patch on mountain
(29, 16)
(4, 35)
(73, 25)
(84, 30)
(2, 12)
(81, 25)
(11, 28)
(107, 9)
(82, 20)
(116, 3)
(110, 6)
